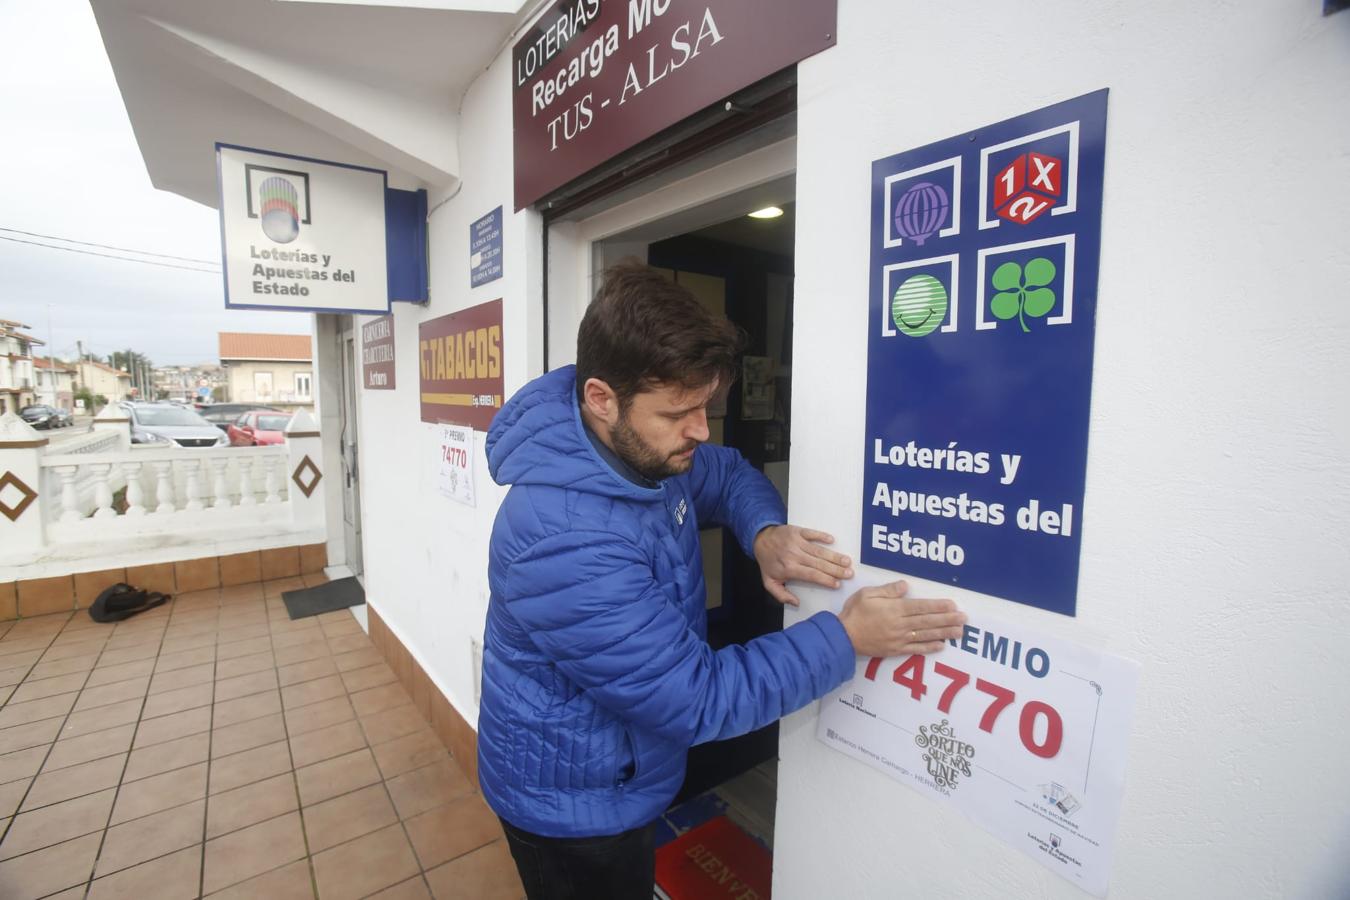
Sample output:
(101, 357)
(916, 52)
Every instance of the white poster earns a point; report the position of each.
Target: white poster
(301, 234)
(1025, 734)
(455, 475)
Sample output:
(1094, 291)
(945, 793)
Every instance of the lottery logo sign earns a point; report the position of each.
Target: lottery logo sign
(983, 283)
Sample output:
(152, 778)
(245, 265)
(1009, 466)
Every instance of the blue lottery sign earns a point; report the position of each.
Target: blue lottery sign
(485, 249)
(982, 311)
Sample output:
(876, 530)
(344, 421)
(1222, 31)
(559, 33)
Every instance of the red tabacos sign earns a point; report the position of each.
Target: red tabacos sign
(593, 78)
(460, 366)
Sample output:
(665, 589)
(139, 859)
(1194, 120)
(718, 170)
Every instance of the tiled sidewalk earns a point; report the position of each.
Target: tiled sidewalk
(213, 747)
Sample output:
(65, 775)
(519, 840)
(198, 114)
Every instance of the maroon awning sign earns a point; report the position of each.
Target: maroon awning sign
(593, 78)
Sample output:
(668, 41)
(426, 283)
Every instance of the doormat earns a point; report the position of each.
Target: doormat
(324, 598)
(716, 859)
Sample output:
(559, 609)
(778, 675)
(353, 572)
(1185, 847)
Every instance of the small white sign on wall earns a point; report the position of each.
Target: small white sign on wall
(301, 234)
(455, 463)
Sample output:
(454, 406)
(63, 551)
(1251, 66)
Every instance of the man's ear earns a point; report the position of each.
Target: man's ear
(600, 400)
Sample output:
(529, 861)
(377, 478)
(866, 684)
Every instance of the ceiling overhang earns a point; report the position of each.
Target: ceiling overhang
(367, 83)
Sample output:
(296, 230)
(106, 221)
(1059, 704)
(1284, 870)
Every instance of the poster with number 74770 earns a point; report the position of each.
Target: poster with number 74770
(1024, 733)
(454, 461)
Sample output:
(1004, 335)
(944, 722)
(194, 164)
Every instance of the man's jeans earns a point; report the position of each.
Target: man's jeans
(616, 867)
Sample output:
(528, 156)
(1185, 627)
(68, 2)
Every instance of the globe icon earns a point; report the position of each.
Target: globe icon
(280, 209)
(921, 211)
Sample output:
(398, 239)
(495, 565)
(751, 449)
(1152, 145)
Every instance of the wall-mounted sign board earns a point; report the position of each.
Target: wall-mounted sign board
(981, 319)
(485, 249)
(377, 354)
(317, 236)
(460, 366)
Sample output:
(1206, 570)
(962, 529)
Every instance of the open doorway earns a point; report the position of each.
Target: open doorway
(741, 267)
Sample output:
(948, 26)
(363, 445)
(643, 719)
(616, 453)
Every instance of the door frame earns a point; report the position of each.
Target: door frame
(577, 255)
(349, 441)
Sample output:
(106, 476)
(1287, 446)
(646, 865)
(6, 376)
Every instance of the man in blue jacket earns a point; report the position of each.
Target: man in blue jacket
(597, 675)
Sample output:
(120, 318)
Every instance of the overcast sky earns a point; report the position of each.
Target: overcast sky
(71, 169)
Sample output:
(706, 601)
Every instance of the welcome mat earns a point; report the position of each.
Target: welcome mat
(716, 859)
(324, 598)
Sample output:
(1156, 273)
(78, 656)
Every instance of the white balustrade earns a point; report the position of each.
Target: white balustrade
(163, 487)
(220, 487)
(270, 483)
(103, 495)
(96, 503)
(246, 493)
(194, 485)
(135, 493)
(70, 498)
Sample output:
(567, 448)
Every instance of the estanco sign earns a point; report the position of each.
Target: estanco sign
(593, 78)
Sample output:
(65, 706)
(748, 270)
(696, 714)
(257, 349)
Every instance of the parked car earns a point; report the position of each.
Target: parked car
(223, 415)
(41, 416)
(166, 425)
(259, 429)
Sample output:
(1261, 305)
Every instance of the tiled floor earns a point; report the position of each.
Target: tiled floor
(213, 747)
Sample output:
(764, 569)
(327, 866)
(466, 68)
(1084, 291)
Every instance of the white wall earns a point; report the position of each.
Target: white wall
(1217, 491)
(425, 555)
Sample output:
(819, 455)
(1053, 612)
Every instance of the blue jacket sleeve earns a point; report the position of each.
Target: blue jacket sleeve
(729, 491)
(590, 603)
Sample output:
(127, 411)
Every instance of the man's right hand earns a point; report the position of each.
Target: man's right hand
(882, 621)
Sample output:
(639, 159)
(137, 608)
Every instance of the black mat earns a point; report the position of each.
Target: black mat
(326, 597)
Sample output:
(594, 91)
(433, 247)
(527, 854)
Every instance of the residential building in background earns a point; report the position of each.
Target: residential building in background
(18, 385)
(275, 369)
(101, 378)
(55, 382)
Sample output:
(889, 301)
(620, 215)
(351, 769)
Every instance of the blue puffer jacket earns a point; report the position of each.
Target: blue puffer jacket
(597, 675)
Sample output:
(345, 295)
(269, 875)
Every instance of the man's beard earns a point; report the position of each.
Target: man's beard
(646, 460)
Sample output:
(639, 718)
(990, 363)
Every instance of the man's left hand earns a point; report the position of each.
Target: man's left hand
(789, 553)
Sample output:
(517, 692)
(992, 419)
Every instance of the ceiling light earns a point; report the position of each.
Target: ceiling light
(768, 212)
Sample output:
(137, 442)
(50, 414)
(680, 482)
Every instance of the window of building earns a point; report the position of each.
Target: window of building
(302, 385)
(262, 386)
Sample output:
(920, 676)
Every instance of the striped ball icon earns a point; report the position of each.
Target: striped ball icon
(921, 211)
(280, 209)
(919, 305)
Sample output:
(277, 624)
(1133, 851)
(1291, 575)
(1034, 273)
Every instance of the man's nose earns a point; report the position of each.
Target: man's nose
(697, 429)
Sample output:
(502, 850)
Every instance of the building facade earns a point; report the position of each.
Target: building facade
(102, 380)
(18, 380)
(1216, 501)
(56, 382)
(271, 369)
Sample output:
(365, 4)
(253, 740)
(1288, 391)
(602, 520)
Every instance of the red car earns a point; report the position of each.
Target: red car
(259, 428)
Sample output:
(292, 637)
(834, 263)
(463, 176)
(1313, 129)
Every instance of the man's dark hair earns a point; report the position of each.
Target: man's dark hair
(644, 330)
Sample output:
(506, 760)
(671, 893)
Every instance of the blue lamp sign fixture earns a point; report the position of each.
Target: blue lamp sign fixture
(982, 313)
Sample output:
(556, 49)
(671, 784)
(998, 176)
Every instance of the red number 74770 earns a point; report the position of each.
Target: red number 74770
(909, 674)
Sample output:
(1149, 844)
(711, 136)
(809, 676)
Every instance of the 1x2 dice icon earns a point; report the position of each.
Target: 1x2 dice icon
(1027, 187)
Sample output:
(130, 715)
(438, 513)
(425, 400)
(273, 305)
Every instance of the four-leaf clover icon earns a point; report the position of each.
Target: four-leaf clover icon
(1023, 292)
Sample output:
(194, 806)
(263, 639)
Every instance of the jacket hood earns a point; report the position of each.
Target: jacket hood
(538, 438)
